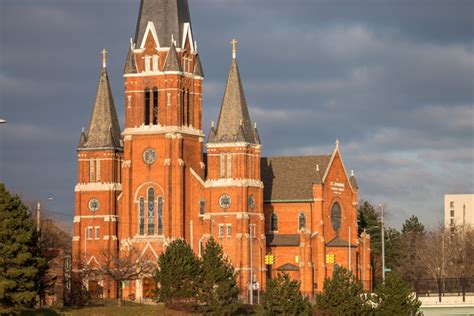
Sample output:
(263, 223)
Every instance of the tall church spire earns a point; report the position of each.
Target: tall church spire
(168, 18)
(104, 128)
(234, 123)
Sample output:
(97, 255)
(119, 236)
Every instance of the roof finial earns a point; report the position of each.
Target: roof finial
(212, 123)
(104, 58)
(317, 167)
(234, 48)
(83, 130)
(337, 143)
(352, 173)
(254, 124)
(240, 123)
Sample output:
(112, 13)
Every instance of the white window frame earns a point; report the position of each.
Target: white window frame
(92, 170)
(229, 165)
(228, 230)
(155, 63)
(222, 166)
(89, 233)
(97, 232)
(221, 231)
(147, 63)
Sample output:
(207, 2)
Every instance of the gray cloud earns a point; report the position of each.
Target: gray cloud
(392, 80)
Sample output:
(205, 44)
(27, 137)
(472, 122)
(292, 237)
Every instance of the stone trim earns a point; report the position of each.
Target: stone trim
(98, 186)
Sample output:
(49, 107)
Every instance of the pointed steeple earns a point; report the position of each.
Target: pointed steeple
(82, 139)
(168, 17)
(212, 134)
(198, 67)
(130, 63)
(172, 60)
(255, 133)
(234, 119)
(104, 128)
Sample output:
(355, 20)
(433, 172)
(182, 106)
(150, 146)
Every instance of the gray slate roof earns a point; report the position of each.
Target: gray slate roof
(172, 60)
(198, 67)
(104, 128)
(168, 16)
(291, 178)
(234, 119)
(283, 240)
(339, 242)
(130, 63)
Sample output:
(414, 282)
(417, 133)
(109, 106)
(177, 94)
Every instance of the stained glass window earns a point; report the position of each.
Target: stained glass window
(151, 211)
(336, 216)
(160, 215)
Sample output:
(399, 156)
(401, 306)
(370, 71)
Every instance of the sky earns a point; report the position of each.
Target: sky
(392, 80)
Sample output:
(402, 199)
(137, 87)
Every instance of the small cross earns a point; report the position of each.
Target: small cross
(234, 47)
(104, 58)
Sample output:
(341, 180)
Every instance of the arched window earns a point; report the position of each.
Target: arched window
(155, 106)
(202, 207)
(160, 215)
(336, 216)
(301, 221)
(151, 211)
(146, 111)
(141, 216)
(274, 222)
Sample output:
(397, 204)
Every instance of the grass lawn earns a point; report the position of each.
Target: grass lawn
(110, 308)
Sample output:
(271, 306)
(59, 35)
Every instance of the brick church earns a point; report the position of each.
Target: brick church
(160, 178)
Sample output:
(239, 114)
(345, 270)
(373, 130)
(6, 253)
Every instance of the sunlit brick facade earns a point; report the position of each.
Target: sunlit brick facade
(160, 179)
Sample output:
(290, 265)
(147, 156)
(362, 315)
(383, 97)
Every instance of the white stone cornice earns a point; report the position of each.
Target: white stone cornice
(98, 186)
(236, 144)
(233, 183)
(106, 218)
(126, 163)
(76, 238)
(176, 131)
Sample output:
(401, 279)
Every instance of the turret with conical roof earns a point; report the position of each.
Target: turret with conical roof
(234, 123)
(104, 128)
(234, 144)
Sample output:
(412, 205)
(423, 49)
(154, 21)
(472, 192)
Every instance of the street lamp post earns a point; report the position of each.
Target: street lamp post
(38, 214)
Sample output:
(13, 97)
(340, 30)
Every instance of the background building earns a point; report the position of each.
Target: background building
(459, 209)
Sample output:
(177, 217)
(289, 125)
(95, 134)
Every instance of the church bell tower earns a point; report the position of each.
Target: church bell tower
(163, 125)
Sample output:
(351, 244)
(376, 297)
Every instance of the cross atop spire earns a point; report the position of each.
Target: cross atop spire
(234, 47)
(104, 58)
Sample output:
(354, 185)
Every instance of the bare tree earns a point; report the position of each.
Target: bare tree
(125, 265)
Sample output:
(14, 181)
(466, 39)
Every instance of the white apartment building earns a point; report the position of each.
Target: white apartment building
(458, 209)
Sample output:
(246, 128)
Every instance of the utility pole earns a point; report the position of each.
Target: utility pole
(38, 216)
(383, 246)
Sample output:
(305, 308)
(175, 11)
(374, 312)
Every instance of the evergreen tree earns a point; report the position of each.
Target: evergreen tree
(342, 295)
(413, 226)
(21, 265)
(413, 232)
(178, 270)
(283, 297)
(395, 297)
(218, 291)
